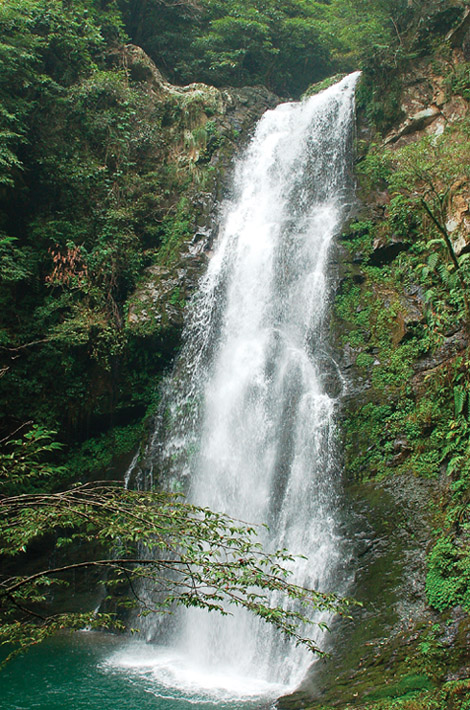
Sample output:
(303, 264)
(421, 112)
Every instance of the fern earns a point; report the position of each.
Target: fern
(433, 259)
(444, 273)
(437, 240)
(454, 463)
(460, 396)
(430, 295)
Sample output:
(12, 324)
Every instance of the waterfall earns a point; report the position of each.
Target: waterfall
(247, 423)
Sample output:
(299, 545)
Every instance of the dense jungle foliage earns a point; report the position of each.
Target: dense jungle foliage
(89, 189)
(98, 181)
(284, 44)
(414, 353)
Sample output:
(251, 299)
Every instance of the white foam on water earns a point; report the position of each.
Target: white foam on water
(167, 669)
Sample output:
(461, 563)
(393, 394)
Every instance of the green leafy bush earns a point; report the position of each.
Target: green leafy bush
(448, 578)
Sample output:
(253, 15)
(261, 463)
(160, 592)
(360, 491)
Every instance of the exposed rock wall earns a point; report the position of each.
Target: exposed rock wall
(204, 130)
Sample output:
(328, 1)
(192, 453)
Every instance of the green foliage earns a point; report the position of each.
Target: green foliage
(458, 80)
(448, 578)
(377, 167)
(284, 45)
(287, 44)
(417, 406)
(24, 463)
(47, 52)
(429, 173)
(44, 48)
(92, 196)
(369, 30)
(194, 557)
(175, 230)
(97, 454)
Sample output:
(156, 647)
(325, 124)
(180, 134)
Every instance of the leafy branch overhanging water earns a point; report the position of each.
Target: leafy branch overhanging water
(200, 558)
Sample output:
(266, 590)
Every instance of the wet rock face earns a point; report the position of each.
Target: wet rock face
(390, 527)
(245, 106)
(203, 128)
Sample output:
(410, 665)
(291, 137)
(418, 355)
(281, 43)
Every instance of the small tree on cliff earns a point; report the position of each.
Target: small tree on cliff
(430, 174)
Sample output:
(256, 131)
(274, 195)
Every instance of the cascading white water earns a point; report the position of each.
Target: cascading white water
(247, 426)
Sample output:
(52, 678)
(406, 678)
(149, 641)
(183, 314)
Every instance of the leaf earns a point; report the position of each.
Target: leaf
(453, 463)
(432, 260)
(460, 395)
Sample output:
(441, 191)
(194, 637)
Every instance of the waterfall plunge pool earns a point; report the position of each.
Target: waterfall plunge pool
(99, 671)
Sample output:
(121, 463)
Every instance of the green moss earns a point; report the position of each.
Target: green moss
(176, 230)
(322, 85)
(406, 686)
(457, 81)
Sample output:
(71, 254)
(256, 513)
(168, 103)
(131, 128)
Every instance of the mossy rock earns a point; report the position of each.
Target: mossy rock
(314, 89)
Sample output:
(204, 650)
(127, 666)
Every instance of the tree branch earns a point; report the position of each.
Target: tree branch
(6, 590)
(25, 345)
(452, 255)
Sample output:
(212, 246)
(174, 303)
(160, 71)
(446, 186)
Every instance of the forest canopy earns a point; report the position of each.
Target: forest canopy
(283, 44)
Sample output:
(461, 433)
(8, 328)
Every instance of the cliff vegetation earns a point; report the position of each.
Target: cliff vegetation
(109, 175)
(401, 324)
